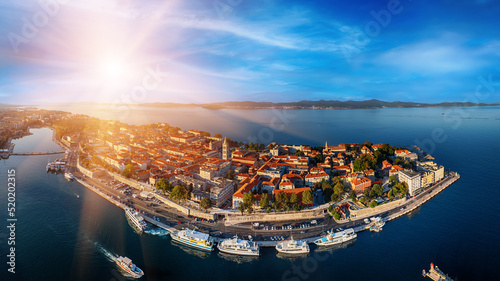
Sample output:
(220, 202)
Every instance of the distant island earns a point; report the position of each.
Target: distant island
(320, 104)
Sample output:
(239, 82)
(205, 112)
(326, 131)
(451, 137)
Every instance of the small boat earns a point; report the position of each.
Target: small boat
(333, 238)
(237, 246)
(293, 247)
(377, 224)
(69, 176)
(127, 265)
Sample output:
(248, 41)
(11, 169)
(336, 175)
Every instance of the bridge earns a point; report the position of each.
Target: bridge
(37, 153)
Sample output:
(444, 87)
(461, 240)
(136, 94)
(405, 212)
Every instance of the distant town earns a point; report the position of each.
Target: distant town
(214, 177)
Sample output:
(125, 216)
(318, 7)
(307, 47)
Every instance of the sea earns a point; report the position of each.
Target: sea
(67, 232)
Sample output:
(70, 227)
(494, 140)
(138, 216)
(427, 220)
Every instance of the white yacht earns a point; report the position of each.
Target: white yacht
(333, 238)
(136, 218)
(292, 247)
(237, 246)
(376, 224)
(193, 238)
(69, 176)
(127, 265)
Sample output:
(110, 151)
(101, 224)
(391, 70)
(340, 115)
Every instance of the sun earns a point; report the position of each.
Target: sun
(113, 69)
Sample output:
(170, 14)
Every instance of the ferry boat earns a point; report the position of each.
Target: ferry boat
(136, 218)
(292, 247)
(69, 176)
(333, 238)
(127, 265)
(193, 238)
(237, 246)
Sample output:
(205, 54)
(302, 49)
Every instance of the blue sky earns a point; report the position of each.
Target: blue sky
(123, 51)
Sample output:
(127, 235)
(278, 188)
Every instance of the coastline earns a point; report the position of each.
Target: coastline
(409, 207)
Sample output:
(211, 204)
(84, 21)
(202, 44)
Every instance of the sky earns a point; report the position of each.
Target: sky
(203, 51)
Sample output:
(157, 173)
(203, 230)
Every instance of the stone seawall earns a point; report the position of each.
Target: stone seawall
(302, 215)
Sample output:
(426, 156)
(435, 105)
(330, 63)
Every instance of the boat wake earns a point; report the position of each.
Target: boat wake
(157, 231)
(108, 254)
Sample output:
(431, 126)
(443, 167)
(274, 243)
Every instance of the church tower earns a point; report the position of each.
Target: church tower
(225, 150)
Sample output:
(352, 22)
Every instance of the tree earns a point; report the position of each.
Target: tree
(241, 208)
(248, 199)
(230, 174)
(264, 201)
(275, 206)
(179, 193)
(307, 198)
(393, 179)
(250, 210)
(338, 189)
(282, 197)
(205, 203)
(218, 136)
(319, 158)
(293, 198)
(268, 210)
(299, 153)
(378, 189)
(162, 184)
(352, 196)
(373, 204)
(129, 171)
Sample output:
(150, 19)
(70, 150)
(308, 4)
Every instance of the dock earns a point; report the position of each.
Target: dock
(37, 153)
(436, 274)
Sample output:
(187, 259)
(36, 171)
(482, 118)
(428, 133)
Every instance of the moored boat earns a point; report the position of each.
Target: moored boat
(69, 176)
(136, 219)
(333, 238)
(292, 247)
(127, 265)
(193, 238)
(237, 246)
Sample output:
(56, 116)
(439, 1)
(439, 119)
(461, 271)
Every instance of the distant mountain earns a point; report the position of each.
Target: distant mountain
(335, 104)
(320, 104)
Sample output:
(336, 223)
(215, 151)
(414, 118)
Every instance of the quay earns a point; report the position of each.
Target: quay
(409, 207)
(436, 274)
(37, 153)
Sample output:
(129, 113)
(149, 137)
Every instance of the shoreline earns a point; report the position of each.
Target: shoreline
(409, 207)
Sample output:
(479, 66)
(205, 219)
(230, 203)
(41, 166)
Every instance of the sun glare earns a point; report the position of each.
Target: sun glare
(112, 69)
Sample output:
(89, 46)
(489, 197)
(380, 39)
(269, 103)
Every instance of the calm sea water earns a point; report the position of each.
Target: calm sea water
(62, 237)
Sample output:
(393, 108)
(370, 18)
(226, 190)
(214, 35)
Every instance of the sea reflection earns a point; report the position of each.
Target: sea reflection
(191, 251)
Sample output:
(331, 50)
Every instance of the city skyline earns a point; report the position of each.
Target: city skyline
(215, 51)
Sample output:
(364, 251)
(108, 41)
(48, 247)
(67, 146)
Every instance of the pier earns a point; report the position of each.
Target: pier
(37, 153)
(436, 274)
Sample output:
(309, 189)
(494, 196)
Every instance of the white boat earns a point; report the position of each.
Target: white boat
(377, 224)
(136, 218)
(193, 238)
(69, 176)
(334, 238)
(127, 265)
(237, 246)
(292, 247)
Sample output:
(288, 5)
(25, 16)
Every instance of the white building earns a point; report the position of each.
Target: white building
(413, 179)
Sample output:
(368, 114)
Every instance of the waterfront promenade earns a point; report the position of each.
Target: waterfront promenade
(169, 219)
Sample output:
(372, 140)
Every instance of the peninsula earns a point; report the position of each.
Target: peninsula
(179, 178)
